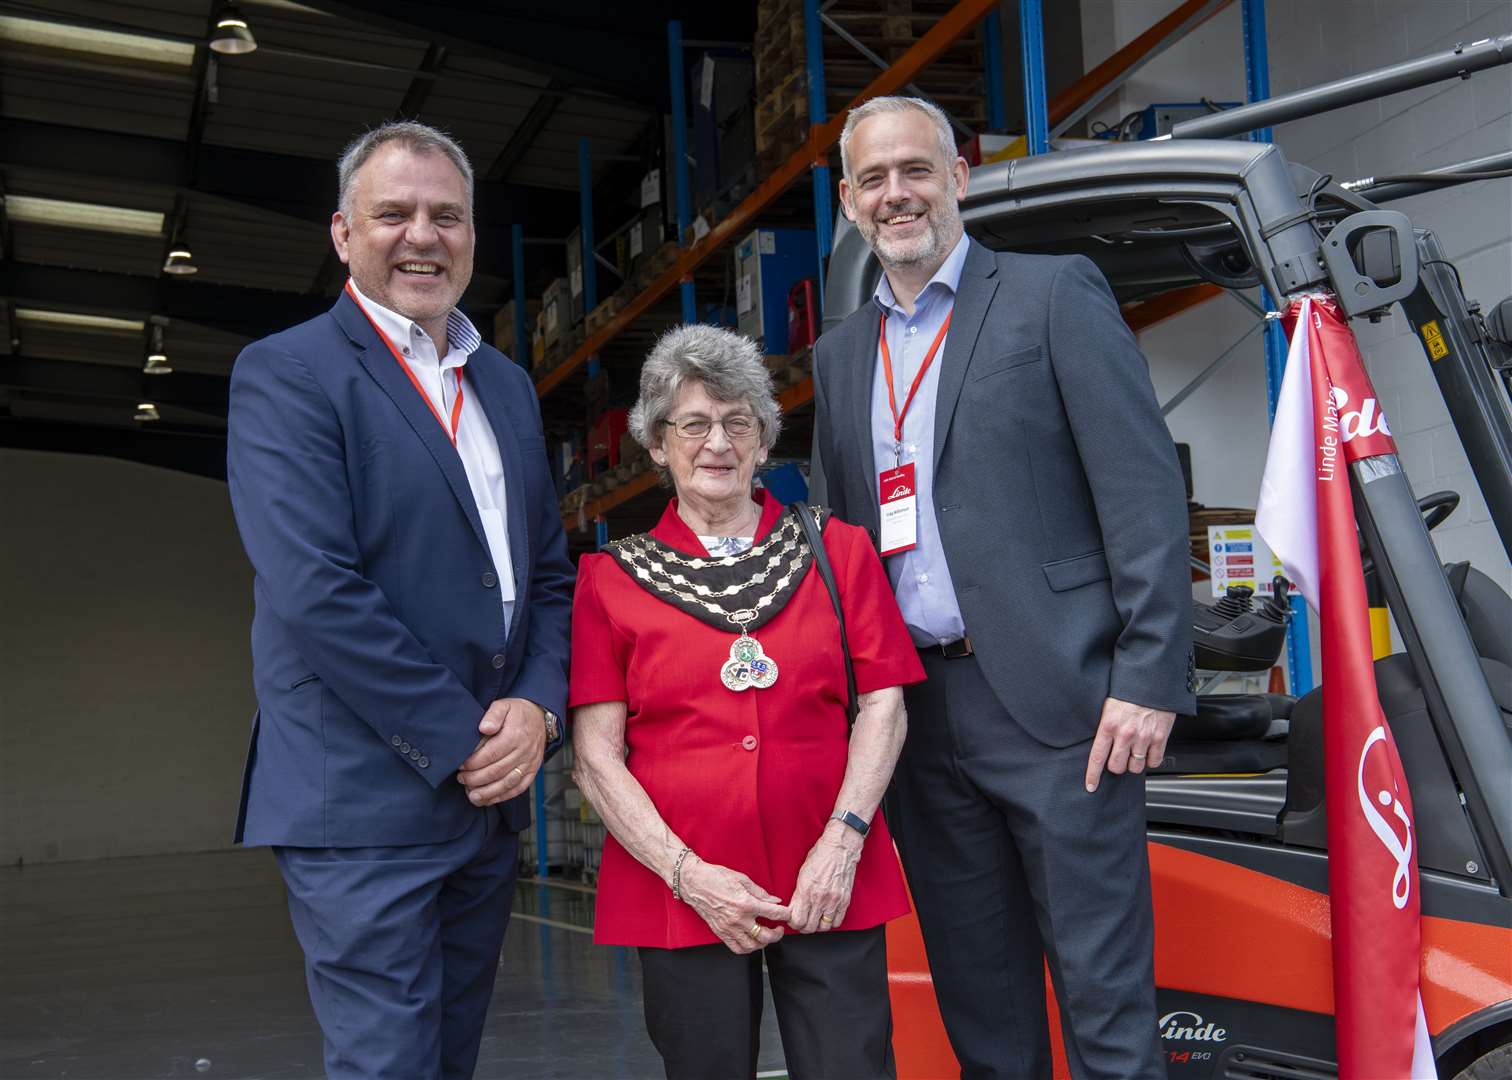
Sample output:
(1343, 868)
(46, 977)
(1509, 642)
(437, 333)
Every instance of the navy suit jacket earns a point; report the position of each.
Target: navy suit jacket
(379, 639)
(1057, 489)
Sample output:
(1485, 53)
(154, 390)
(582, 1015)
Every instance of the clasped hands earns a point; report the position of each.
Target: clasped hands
(731, 903)
(508, 754)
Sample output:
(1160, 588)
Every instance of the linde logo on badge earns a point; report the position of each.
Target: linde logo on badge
(902, 491)
(1190, 1027)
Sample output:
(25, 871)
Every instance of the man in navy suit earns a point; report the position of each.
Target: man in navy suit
(389, 479)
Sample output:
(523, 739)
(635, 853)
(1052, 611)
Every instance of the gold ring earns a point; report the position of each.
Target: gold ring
(826, 918)
(519, 770)
(1141, 757)
(755, 931)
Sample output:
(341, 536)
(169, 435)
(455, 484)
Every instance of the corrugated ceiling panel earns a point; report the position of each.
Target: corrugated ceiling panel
(238, 245)
(483, 67)
(46, 342)
(88, 189)
(111, 252)
(94, 100)
(293, 113)
(315, 32)
(185, 18)
(195, 348)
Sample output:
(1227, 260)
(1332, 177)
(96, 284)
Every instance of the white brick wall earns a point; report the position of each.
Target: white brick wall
(1310, 42)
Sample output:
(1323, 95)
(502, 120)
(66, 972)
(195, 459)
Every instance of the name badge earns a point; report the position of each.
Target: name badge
(900, 518)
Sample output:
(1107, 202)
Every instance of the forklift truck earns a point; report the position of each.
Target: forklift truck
(1237, 837)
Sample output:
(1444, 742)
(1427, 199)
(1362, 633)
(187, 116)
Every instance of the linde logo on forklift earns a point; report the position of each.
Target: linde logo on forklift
(1190, 1027)
(1399, 848)
(1367, 421)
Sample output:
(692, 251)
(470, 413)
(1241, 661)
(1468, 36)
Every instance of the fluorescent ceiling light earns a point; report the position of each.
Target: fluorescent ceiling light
(35, 210)
(79, 322)
(39, 33)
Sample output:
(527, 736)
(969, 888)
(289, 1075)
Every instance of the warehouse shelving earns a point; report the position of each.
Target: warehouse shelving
(1045, 118)
(1060, 112)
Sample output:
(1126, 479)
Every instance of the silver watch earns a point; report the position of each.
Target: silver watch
(553, 726)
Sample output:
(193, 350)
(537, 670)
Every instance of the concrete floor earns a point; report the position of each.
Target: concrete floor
(185, 966)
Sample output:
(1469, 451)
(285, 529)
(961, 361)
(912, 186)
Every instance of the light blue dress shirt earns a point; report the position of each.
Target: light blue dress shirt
(920, 577)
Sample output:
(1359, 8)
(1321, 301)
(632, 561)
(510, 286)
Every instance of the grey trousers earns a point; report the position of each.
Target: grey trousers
(1011, 863)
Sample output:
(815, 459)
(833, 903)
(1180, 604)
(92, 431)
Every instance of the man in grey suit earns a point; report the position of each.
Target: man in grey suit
(991, 419)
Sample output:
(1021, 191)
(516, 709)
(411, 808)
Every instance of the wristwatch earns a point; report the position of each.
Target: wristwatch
(855, 821)
(553, 726)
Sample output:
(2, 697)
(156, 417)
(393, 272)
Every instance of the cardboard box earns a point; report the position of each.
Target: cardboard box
(575, 274)
(504, 327)
(646, 235)
(556, 310)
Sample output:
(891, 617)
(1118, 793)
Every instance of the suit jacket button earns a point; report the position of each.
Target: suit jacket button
(404, 748)
(424, 762)
(749, 742)
(396, 740)
(498, 661)
(414, 755)
(489, 581)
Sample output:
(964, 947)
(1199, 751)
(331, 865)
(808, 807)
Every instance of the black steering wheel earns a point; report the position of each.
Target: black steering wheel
(1436, 507)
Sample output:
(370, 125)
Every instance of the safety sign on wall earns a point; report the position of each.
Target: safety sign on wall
(1239, 556)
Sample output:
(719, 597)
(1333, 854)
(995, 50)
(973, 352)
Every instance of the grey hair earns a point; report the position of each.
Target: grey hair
(895, 104)
(727, 364)
(414, 136)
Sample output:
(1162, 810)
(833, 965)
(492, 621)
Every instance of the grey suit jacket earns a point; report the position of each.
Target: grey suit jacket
(1057, 488)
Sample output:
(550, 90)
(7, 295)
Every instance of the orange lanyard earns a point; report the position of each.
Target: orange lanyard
(887, 370)
(456, 412)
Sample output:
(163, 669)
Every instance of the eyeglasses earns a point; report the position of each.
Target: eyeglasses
(739, 426)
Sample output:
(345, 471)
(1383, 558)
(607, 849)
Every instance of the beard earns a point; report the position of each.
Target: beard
(932, 245)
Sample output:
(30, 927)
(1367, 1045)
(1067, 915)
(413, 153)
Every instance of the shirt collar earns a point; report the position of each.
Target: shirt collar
(948, 276)
(462, 336)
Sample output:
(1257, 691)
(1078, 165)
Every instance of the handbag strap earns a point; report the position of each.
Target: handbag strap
(811, 533)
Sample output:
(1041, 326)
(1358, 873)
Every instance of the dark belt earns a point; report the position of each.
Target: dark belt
(951, 650)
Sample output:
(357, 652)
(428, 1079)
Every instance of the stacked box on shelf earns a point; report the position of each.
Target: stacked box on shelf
(724, 134)
(504, 329)
(954, 80)
(888, 28)
(575, 283)
(768, 263)
(781, 119)
(645, 237)
(556, 312)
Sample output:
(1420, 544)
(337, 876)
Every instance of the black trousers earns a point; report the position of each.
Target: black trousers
(1011, 861)
(703, 1007)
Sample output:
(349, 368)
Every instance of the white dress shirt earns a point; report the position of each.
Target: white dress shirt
(476, 444)
(921, 577)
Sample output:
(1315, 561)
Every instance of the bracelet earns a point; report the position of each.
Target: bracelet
(677, 873)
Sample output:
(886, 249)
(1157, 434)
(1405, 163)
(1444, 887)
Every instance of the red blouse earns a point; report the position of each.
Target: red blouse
(747, 778)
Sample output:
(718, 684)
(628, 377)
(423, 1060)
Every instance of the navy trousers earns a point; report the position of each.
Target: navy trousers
(1011, 863)
(401, 947)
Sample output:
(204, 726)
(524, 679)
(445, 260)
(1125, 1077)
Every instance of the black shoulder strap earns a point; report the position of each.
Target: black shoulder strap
(815, 539)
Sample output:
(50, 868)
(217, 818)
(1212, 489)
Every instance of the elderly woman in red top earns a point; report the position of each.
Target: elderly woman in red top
(710, 712)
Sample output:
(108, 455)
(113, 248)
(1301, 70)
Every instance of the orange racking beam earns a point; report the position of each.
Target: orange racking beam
(1144, 315)
(1082, 89)
(822, 137)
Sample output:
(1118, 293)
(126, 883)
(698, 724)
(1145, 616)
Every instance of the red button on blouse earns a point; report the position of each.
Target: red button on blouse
(756, 812)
